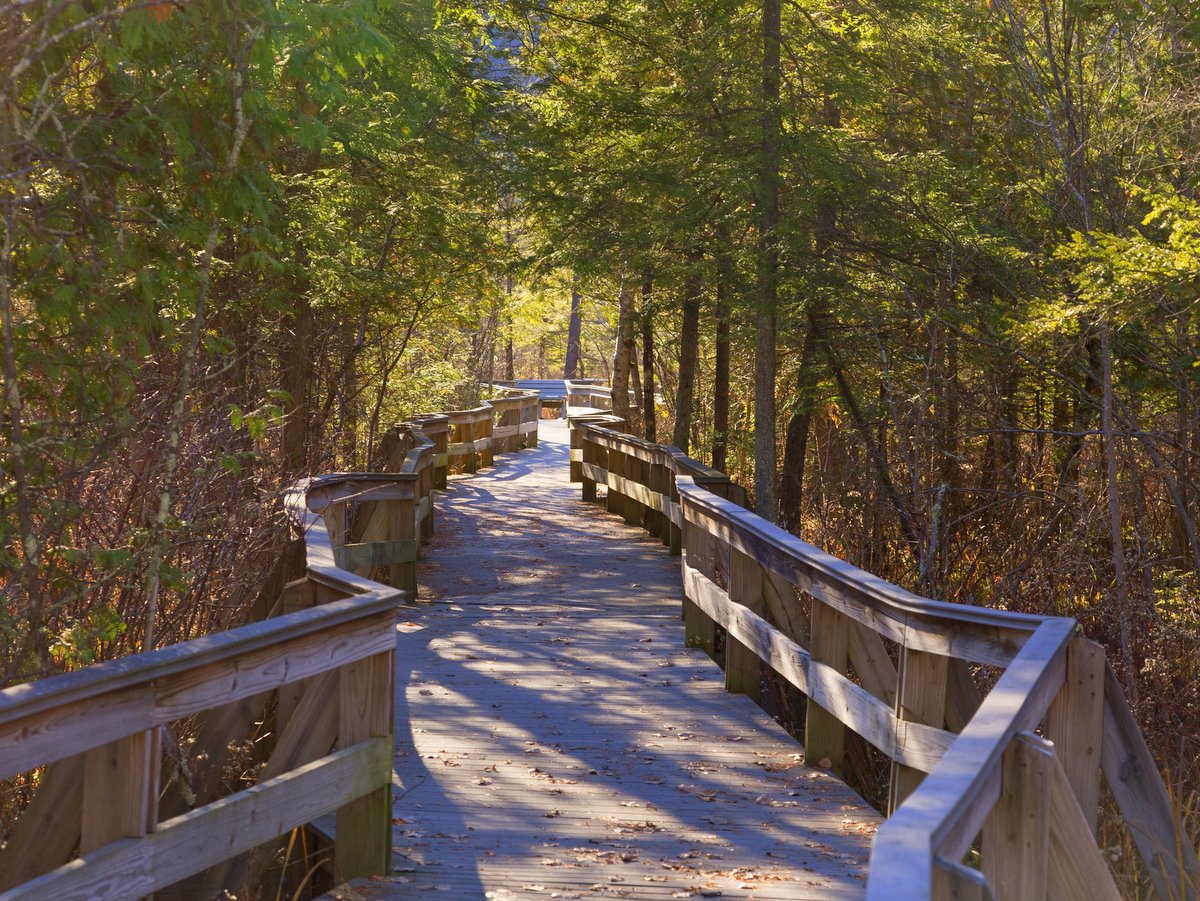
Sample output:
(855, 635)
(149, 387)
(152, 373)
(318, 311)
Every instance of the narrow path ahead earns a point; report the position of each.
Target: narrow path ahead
(556, 740)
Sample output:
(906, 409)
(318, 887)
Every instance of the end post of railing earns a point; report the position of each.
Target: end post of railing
(366, 705)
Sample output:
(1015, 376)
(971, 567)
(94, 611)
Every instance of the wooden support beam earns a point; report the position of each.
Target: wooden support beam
(403, 531)
(962, 697)
(743, 668)
(824, 733)
(589, 453)
(120, 790)
(1077, 868)
(634, 510)
(1075, 723)
(699, 629)
(614, 499)
(365, 710)
(956, 882)
(921, 699)
(1146, 806)
(1016, 836)
(48, 831)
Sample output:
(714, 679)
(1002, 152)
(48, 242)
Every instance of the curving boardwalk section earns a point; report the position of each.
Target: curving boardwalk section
(556, 740)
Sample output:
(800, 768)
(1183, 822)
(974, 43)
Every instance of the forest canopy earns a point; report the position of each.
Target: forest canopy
(924, 276)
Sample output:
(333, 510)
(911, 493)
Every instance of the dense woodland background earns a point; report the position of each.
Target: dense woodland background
(925, 275)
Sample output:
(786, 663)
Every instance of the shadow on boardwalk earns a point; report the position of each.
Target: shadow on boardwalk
(555, 739)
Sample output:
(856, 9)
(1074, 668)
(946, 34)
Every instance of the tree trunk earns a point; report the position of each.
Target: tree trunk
(768, 271)
(720, 441)
(689, 353)
(795, 447)
(574, 331)
(509, 370)
(648, 412)
(623, 353)
(1113, 490)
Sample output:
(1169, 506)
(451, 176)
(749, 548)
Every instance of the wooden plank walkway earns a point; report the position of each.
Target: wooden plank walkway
(556, 740)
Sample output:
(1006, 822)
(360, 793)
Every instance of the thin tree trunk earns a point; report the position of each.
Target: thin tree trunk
(509, 369)
(768, 271)
(574, 332)
(623, 353)
(648, 412)
(689, 351)
(720, 441)
(795, 447)
(1112, 485)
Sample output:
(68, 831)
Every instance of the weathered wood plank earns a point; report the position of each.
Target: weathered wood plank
(824, 732)
(1077, 868)
(1075, 723)
(48, 831)
(120, 790)
(921, 699)
(1145, 803)
(1016, 837)
(364, 826)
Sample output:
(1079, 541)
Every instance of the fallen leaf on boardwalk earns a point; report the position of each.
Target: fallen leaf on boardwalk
(550, 813)
(534, 888)
(483, 781)
(425, 691)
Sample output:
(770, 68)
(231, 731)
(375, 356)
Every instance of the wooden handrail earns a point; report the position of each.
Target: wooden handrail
(894, 668)
(326, 660)
(377, 521)
(334, 754)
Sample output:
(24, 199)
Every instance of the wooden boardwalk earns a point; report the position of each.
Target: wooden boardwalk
(556, 740)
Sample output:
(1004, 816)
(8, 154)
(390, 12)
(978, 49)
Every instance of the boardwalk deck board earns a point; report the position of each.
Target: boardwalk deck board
(555, 738)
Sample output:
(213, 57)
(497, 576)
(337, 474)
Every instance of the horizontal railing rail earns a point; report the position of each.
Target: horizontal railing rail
(1008, 782)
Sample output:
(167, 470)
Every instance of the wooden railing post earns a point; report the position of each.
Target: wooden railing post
(634, 511)
(468, 431)
(365, 709)
(674, 532)
(534, 415)
(615, 500)
(577, 453)
(657, 523)
(487, 456)
(824, 734)
(1016, 837)
(591, 455)
(699, 629)
(743, 668)
(425, 500)
(403, 574)
(921, 698)
(1075, 723)
(120, 790)
(441, 456)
